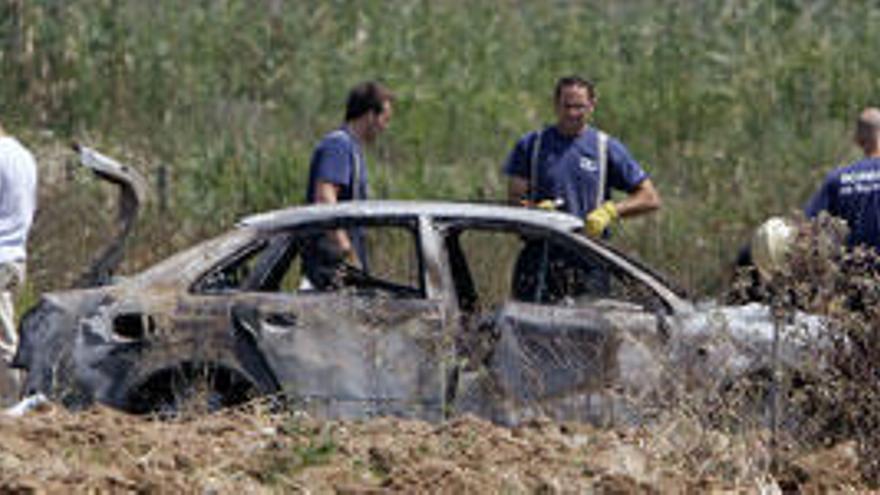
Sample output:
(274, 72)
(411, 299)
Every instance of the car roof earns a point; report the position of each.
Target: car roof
(484, 212)
(189, 262)
(378, 209)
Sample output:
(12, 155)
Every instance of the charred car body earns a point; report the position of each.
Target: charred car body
(435, 323)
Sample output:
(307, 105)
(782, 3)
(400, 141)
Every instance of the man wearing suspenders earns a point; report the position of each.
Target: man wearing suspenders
(338, 172)
(563, 164)
(572, 167)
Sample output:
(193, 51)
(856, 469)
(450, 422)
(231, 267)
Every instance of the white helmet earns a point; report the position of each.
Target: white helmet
(770, 245)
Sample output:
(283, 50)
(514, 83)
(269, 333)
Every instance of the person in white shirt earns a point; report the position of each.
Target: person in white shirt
(18, 199)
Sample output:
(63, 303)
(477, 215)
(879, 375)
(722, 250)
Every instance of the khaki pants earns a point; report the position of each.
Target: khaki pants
(12, 275)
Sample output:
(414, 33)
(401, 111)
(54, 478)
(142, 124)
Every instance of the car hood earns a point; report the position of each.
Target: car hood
(715, 342)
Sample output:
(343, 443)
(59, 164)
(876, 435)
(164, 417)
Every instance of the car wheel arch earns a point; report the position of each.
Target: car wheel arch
(164, 388)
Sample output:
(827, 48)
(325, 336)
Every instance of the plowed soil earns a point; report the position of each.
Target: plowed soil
(52, 450)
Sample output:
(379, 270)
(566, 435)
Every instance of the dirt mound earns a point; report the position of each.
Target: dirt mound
(54, 450)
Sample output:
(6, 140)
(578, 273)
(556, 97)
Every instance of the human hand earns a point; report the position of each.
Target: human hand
(600, 218)
(352, 258)
(347, 268)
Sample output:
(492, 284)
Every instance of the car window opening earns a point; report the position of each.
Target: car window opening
(307, 260)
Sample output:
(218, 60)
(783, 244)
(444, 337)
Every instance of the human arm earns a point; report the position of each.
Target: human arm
(624, 173)
(331, 177)
(517, 168)
(822, 199)
(644, 198)
(517, 189)
(327, 192)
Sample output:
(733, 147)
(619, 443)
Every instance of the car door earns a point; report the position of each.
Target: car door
(372, 345)
(554, 328)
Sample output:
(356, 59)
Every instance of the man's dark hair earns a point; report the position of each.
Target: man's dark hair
(366, 97)
(564, 82)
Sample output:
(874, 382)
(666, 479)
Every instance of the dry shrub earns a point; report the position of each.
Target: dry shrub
(841, 401)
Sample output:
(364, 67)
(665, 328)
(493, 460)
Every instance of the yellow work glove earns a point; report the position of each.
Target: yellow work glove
(546, 204)
(600, 218)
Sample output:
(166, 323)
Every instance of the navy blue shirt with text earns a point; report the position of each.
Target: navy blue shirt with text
(853, 194)
(568, 168)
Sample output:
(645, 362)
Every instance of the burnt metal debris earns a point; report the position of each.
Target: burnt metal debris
(132, 195)
(429, 328)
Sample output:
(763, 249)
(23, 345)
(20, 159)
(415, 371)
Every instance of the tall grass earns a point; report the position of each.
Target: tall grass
(737, 108)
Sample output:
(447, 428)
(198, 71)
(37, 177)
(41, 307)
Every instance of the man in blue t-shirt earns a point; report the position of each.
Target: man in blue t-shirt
(338, 172)
(853, 192)
(574, 166)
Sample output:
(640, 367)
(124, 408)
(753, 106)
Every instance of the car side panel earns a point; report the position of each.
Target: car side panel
(342, 355)
(564, 363)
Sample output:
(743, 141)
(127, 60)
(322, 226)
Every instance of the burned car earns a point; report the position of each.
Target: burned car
(457, 308)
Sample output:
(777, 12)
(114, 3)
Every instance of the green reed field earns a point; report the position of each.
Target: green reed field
(737, 108)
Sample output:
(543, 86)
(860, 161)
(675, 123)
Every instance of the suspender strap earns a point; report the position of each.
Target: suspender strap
(533, 165)
(603, 167)
(356, 175)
